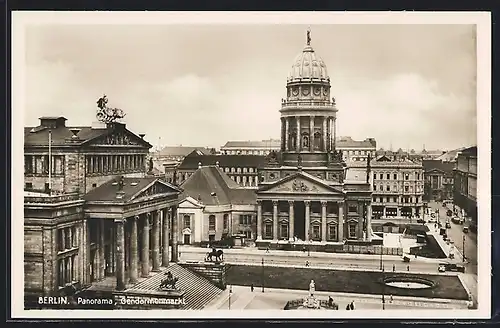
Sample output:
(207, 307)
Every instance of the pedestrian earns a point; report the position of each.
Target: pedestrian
(408, 268)
(347, 307)
(352, 305)
(391, 298)
(307, 263)
(394, 268)
(267, 249)
(415, 255)
(251, 288)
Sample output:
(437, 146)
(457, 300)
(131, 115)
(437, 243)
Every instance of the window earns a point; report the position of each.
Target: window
(47, 186)
(395, 176)
(284, 231)
(244, 170)
(381, 176)
(28, 164)
(418, 176)
(187, 222)
(29, 185)
(245, 219)
(226, 222)
(407, 176)
(407, 188)
(250, 169)
(332, 232)
(316, 234)
(94, 185)
(66, 270)
(352, 230)
(268, 230)
(66, 238)
(388, 188)
(211, 222)
(388, 176)
(352, 209)
(248, 234)
(211, 238)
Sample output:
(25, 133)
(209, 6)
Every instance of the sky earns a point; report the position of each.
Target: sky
(202, 85)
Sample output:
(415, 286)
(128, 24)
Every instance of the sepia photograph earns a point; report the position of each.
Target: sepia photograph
(251, 164)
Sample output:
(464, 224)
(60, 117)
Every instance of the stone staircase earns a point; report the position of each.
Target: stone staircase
(198, 291)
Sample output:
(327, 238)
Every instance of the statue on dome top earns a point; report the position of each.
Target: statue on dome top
(309, 36)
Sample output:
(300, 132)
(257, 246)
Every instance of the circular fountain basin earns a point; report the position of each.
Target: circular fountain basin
(406, 282)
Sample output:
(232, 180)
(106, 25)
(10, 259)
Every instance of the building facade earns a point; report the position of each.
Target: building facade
(438, 184)
(90, 210)
(356, 150)
(306, 196)
(262, 148)
(465, 183)
(214, 207)
(242, 169)
(398, 188)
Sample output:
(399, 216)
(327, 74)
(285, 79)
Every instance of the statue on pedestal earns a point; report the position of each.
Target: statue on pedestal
(312, 288)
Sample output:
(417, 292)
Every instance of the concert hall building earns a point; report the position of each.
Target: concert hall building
(91, 211)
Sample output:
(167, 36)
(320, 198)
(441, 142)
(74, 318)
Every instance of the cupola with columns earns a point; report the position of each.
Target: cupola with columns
(308, 114)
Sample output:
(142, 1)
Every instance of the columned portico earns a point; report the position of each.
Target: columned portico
(145, 246)
(275, 220)
(133, 250)
(291, 215)
(323, 221)
(308, 220)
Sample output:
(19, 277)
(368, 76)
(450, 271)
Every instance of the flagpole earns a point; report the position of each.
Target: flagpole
(50, 162)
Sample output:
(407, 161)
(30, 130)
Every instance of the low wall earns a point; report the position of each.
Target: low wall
(213, 272)
(354, 247)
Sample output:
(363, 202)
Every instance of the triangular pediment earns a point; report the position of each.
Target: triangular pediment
(190, 202)
(435, 170)
(156, 188)
(300, 183)
(121, 137)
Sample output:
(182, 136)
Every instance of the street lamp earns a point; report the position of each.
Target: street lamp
(463, 248)
(262, 274)
(381, 251)
(383, 289)
(230, 292)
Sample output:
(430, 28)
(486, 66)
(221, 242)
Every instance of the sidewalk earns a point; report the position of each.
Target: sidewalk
(447, 249)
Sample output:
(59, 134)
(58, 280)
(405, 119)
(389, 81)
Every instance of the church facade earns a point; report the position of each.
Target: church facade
(306, 193)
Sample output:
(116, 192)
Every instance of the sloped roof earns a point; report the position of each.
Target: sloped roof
(348, 142)
(450, 155)
(182, 150)
(213, 187)
(39, 135)
(131, 186)
(356, 175)
(271, 143)
(191, 162)
(446, 167)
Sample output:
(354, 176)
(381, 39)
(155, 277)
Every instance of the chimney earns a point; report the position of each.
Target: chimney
(120, 193)
(52, 122)
(142, 135)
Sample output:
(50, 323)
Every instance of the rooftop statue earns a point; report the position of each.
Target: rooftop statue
(309, 37)
(107, 114)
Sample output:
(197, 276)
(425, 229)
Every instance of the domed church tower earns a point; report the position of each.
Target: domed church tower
(306, 195)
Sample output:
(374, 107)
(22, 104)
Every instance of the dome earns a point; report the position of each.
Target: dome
(307, 65)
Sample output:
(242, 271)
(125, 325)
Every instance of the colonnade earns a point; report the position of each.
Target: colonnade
(328, 133)
(139, 256)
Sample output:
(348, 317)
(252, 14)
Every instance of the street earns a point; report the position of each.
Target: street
(330, 260)
(456, 234)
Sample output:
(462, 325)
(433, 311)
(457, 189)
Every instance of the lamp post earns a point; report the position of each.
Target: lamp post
(383, 289)
(230, 292)
(463, 248)
(262, 274)
(381, 251)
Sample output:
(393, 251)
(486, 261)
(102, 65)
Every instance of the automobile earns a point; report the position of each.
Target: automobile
(449, 212)
(448, 225)
(421, 221)
(465, 229)
(451, 267)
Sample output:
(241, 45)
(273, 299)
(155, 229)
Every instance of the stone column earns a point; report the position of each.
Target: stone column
(275, 220)
(384, 212)
(175, 235)
(259, 220)
(291, 218)
(166, 241)
(145, 246)
(340, 229)
(334, 139)
(102, 263)
(297, 142)
(369, 222)
(308, 220)
(134, 256)
(156, 241)
(398, 211)
(120, 254)
(361, 217)
(311, 133)
(287, 133)
(325, 135)
(323, 221)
